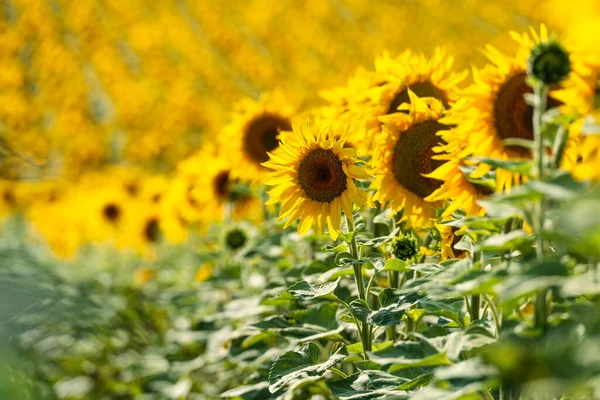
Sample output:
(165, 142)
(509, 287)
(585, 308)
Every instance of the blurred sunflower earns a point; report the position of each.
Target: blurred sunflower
(372, 95)
(581, 96)
(314, 177)
(495, 110)
(8, 197)
(448, 239)
(403, 155)
(102, 209)
(253, 133)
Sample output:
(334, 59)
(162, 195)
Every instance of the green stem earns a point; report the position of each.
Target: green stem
(539, 106)
(475, 305)
(360, 284)
(338, 372)
(494, 311)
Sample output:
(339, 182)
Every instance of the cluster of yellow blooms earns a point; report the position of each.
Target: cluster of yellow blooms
(144, 85)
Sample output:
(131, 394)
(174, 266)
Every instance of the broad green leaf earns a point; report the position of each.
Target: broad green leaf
(305, 291)
(358, 347)
(336, 249)
(395, 264)
(518, 166)
(368, 385)
(344, 258)
(360, 309)
(407, 354)
(257, 391)
(454, 310)
(578, 226)
(469, 370)
(392, 313)
(303, 363)
(505, 241)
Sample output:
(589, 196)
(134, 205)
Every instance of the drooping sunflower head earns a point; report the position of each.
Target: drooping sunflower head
(388, 87)
(494, 116)
(254, 132)
(403, 156)
(314, 179)
(449, 237)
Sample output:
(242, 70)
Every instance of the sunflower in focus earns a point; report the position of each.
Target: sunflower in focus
(381, 92)
(403, 156)
(253, 133)
(494, 110)
(457, 187)
(313, 179)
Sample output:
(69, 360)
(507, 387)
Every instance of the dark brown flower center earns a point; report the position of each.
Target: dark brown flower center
(111, 212)
(412, 157)
(151, 230)
(421, 89)
(261, 136)
(455, 240)
(132, 189)
(321, 176)
(513, 117)
(221, 184)
(9, 197)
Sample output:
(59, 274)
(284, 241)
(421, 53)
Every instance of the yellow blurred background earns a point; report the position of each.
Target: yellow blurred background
(90, 82)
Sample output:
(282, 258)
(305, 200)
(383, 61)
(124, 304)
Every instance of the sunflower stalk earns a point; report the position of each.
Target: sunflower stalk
(364, 328)
(475, 304)
(540, 91)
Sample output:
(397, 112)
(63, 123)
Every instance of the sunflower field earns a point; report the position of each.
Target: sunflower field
(286, 200)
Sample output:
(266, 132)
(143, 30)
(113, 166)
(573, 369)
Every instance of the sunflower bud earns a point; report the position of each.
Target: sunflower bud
(236, 238)
(549, 62)
(404, 248)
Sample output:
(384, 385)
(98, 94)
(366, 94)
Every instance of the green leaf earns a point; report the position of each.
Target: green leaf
(257, 391)
(505, 241)
(395, 264)
(392, 313)
(521, 167)
(368, 385)
(343, 258)
(454, 310)
(360, 309)
(388, 296)
(336, 249)
(407, 354)
(305, 291)
(358, 346)
(469, 370)
(303, 363)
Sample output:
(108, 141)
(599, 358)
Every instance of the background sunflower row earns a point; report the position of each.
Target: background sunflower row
(99, 109)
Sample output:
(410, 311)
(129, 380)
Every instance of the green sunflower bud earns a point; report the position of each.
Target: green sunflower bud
(404, 248)
(549, 62)
(236, 239)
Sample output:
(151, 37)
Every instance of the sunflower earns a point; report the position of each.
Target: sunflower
(403, 155)
(379, 93)
(581, 96)
(314, 177)
(449, 238)
(253, 133)
(103, 209)
(494, 110)
(456, 187)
